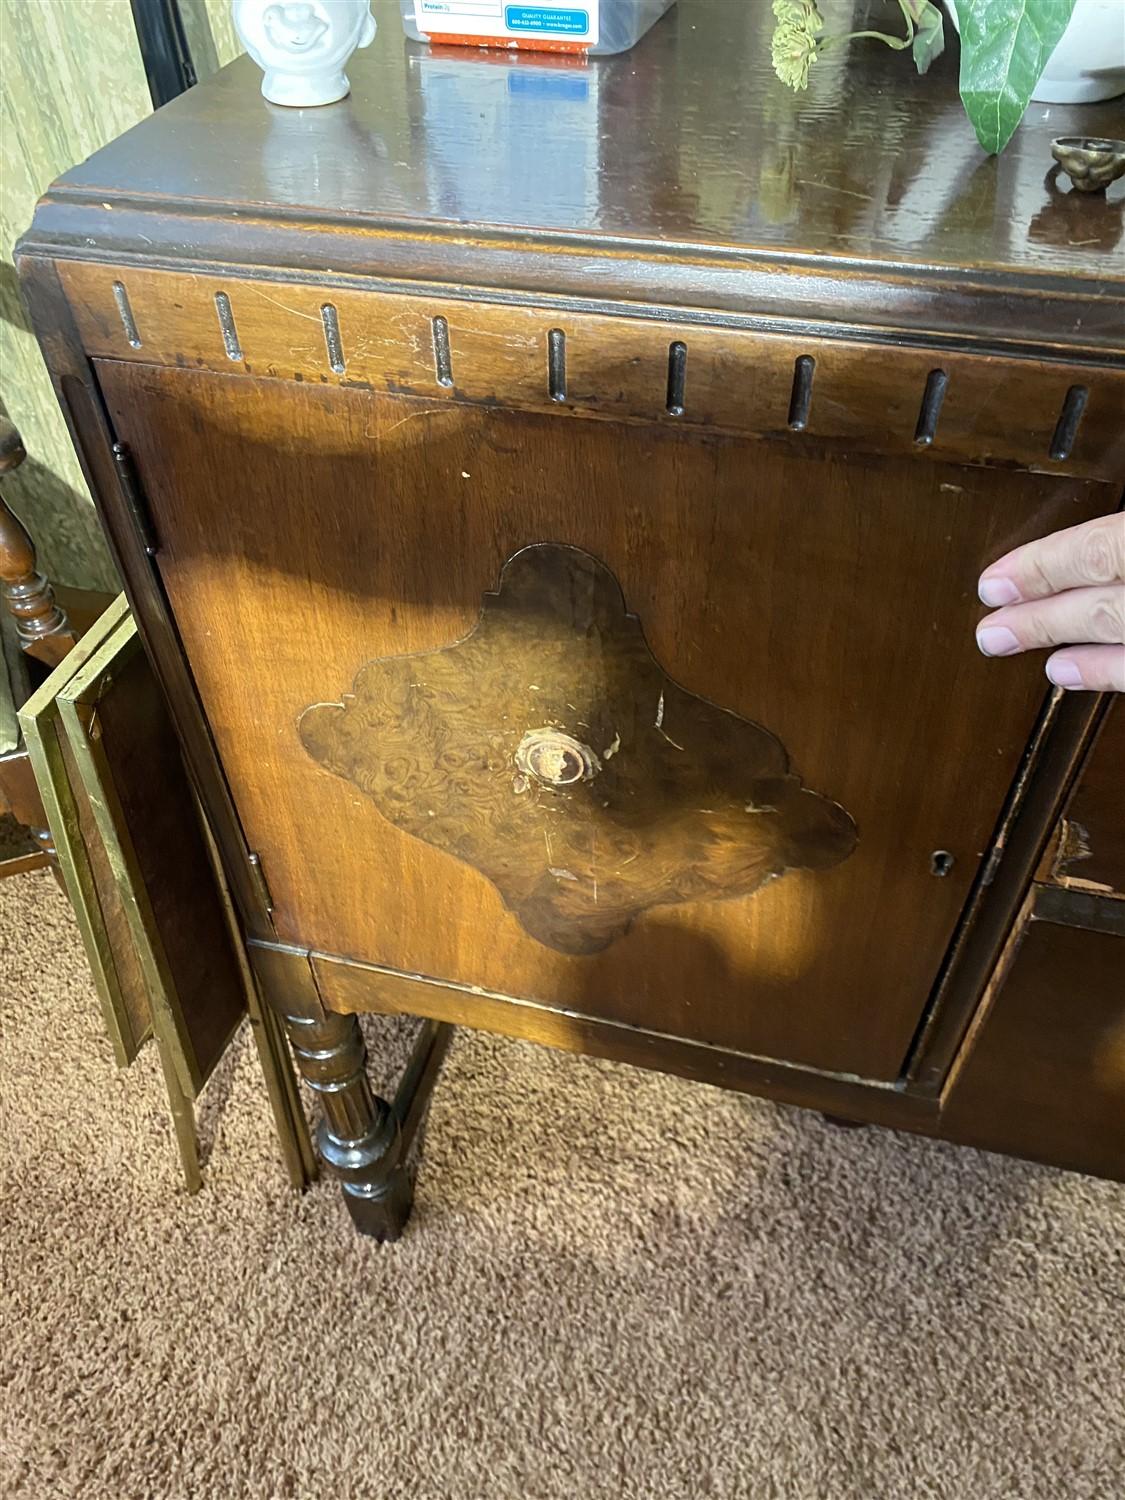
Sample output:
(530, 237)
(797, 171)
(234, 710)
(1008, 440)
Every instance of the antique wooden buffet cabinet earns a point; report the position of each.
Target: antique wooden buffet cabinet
(552, 497)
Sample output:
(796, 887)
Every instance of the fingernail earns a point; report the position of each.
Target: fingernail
(997, 591)
(1064, 673)
(997, 640)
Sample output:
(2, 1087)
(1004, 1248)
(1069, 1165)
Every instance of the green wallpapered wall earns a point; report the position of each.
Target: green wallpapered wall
(72, 79)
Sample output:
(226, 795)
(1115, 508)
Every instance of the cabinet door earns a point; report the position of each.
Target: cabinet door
(82, 858)
(681, 731)
(125, 755)
(136, 859)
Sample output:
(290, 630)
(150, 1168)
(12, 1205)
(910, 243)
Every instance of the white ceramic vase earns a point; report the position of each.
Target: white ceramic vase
(303, 45)
(1089, 62)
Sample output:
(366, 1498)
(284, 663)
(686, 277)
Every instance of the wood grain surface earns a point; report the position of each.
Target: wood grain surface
(800, 389)
(305, 530)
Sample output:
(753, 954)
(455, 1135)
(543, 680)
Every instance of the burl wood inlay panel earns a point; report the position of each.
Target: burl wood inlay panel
(551, 751)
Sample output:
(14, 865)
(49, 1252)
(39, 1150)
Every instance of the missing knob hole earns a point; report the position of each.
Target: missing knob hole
(555, 759)
(941, 862)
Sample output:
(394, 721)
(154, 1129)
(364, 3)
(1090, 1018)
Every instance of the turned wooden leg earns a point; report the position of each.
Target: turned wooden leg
(368, 1143)
(41, 626)
(359, 1136)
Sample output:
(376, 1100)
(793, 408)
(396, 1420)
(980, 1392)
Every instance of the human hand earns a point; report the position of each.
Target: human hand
(1066, 590)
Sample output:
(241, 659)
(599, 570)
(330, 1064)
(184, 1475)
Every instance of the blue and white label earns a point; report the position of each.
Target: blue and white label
(496, 18)
(547, 20)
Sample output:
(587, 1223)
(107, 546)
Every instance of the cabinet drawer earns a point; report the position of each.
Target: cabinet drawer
(1044, 1071)
(684, 731)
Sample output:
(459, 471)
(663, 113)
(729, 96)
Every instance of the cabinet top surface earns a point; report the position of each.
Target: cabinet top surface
(682, 154)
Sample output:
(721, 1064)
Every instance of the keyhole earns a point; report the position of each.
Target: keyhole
(941, 862)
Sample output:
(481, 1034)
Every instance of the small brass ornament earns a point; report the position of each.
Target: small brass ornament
(1091, 162)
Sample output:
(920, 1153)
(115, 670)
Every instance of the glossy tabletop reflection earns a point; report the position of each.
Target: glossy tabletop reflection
(688, 139)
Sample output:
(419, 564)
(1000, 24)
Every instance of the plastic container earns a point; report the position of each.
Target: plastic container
(593, 28)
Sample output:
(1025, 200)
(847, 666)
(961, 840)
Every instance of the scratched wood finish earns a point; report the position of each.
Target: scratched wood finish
(832, 600)
(1089, 852)
(802, 391)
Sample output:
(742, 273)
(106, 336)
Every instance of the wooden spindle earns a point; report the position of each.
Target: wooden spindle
(42, 628)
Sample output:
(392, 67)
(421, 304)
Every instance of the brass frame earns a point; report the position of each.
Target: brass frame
(40, 722)
(63, 710)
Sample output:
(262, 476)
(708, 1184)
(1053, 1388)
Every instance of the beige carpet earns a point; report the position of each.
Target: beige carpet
(616, 1285)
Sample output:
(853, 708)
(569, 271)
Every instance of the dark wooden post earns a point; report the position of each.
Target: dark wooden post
(365, 1141)
(42, 627)
(42, 631)
(359, 1135)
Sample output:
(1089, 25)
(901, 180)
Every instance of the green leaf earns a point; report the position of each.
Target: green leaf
(929, 33)
(1005, 45)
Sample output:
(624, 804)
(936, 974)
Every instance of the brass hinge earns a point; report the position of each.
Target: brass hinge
(135, 500)
(255, 863)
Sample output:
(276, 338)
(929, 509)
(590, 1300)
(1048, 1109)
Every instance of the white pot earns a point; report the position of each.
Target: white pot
(303, 45)
(1089, 62)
